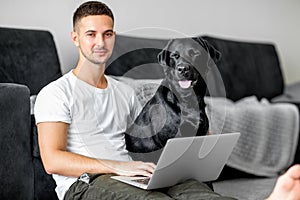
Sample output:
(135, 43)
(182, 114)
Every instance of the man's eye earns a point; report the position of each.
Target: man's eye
(108, 34)
(91, 34)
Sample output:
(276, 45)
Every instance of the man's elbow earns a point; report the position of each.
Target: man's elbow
(50, 163)
(50, 168)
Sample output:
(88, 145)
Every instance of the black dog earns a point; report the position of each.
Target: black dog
(177, 108)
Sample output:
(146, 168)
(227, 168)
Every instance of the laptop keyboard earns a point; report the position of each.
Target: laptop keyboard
(142, 181)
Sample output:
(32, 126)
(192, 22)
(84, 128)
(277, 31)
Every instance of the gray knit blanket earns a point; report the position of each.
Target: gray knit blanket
(269, 133)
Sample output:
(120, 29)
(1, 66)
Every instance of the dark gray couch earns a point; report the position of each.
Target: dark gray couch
(29, 61)
(246, 68)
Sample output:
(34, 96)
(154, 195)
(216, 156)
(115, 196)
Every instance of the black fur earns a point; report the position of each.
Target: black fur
(175, 110)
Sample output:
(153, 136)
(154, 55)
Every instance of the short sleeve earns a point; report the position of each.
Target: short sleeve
(52, 105)
(135, 108)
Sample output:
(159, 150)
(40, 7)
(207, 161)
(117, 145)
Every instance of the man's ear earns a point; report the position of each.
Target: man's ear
(74, 38)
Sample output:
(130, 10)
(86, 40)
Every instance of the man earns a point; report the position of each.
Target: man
(82, 116)
(62, 130)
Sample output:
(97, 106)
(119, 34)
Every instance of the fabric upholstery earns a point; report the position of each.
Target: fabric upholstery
(136, 58)
(246, 188)
(248, 69)
(28, 57)
(239, 63)
(16, 169)
(44, 184)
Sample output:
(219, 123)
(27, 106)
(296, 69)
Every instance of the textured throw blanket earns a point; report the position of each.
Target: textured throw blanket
(269, 132)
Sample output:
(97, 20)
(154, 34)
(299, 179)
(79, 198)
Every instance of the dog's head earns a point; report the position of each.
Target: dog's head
(187, 60)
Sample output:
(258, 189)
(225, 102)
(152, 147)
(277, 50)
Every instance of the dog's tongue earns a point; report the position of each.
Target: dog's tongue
(185, 84)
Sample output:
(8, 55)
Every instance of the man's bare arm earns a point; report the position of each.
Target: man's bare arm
(56, 160)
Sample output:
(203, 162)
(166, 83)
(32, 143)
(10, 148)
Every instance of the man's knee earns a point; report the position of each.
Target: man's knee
(103, 187)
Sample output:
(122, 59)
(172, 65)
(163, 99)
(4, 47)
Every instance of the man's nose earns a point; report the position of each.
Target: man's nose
(100, 40)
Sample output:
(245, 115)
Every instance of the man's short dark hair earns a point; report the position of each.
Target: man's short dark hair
(91, 8)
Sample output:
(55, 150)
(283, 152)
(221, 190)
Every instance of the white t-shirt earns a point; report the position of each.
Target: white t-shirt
(97, 118)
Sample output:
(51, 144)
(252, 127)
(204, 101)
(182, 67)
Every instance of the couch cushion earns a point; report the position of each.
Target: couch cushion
(44, 184)
(28, 57)
(16, 168)
(248, 68)
(246, 188)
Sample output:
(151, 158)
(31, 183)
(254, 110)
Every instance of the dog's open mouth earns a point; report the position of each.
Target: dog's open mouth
(185, 83)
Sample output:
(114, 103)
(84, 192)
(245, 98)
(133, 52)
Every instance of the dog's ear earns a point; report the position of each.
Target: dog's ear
(164, 56)
(212, 51)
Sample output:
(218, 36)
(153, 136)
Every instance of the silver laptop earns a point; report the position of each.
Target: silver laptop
(201, 158)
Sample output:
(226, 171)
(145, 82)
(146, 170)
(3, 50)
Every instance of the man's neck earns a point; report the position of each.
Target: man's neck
(91, 74)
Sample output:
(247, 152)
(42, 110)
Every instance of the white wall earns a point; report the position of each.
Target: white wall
(276, 21)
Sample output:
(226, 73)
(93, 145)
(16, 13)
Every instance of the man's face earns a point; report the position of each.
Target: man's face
(95, 38)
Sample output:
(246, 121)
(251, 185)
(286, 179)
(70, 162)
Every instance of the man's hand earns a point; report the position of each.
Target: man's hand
(130, 168)
(56, 160)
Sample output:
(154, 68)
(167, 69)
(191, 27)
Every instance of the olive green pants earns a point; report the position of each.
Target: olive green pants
(102, 187)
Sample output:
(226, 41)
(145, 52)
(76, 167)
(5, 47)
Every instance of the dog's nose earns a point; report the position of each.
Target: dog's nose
(183, 68)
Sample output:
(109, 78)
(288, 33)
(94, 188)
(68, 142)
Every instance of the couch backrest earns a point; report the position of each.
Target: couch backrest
(28, 57)
(136, 57)
(248, 68)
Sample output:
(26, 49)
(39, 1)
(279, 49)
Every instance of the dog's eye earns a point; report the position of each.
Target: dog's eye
(175, 55)
(193, 53)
